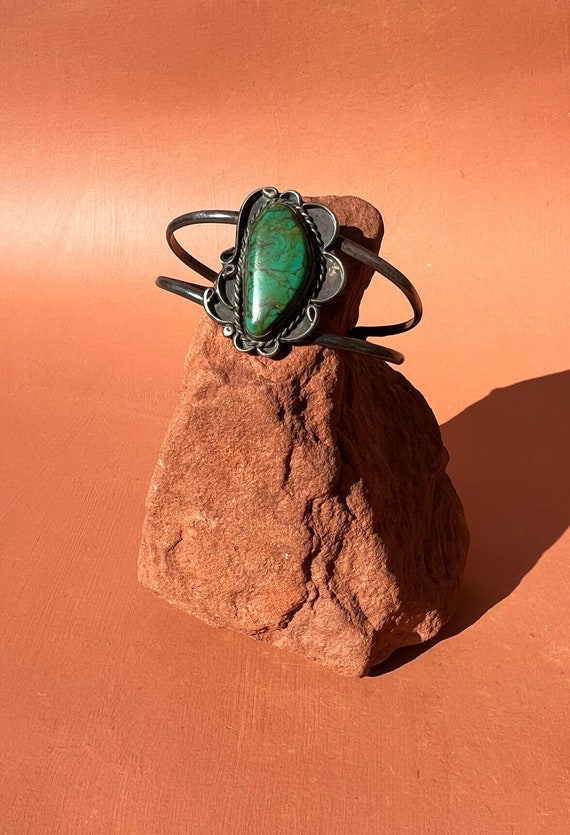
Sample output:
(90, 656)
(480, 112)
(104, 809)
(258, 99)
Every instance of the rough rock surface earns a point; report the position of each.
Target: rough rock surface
(304, 501)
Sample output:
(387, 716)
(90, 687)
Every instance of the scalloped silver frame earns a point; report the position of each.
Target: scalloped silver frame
(224, 301)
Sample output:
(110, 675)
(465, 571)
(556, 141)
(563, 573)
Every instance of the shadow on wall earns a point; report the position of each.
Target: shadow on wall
(510, 464)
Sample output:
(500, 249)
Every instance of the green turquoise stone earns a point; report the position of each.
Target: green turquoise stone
(277, 267)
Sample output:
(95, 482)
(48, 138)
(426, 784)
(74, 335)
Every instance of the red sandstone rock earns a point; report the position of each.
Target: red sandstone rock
(304, 501)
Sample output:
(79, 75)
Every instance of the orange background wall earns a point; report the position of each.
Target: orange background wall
(122, 715)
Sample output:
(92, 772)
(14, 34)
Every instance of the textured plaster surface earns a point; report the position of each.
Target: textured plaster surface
(120, 714)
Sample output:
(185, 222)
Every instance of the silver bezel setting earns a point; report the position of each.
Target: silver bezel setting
(224, 301)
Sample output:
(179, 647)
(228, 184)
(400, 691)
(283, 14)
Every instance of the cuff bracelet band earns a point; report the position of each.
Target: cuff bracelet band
(282, 268)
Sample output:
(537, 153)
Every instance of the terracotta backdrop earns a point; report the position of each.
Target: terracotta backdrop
(122, 715)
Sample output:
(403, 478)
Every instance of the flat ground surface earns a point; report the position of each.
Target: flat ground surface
(120, 714)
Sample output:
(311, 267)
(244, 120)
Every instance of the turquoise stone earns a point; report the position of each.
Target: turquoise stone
(277, 267)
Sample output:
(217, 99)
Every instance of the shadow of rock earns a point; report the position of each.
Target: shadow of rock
(510, 463)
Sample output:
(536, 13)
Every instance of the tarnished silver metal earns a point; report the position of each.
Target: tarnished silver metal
(224, 302)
